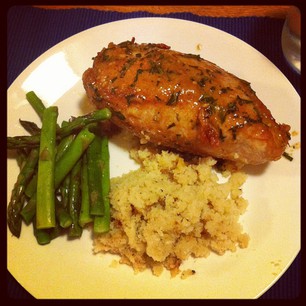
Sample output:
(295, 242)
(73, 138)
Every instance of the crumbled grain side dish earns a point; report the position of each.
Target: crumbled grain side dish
(170, 209)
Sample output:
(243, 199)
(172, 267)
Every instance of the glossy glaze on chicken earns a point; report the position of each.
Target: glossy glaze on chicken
(184, 102)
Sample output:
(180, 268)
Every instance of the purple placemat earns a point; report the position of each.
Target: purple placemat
(32, 31)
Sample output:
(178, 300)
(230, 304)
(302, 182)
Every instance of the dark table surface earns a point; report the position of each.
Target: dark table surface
(32, 31)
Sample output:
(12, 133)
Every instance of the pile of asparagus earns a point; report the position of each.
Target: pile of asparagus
(64, 182)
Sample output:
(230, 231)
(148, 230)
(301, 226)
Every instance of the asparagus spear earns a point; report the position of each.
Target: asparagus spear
(30, 127)
(62, 214)
(16, 203)
(45, 194)
(36, 103)
(63, 146)
(60, 150)
(102, 224)
(72, 155)
(62, 167)
(28, 211)
(85, 216)
(42, 235)
(82, 121)
(94, 165)
(22, 156)
(31, 187)
(72, 127)
(75, 229)
(64, 191)
(67, 161)
(56, 231)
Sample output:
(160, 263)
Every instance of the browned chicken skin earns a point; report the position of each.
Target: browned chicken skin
(184, 102)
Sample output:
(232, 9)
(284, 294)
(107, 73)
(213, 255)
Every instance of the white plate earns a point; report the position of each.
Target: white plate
(68, 269)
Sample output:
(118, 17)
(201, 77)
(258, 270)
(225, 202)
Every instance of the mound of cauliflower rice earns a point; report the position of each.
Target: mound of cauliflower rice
(172, 208)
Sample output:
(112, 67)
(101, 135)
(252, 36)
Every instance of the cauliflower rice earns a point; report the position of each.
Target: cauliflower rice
(170, 209)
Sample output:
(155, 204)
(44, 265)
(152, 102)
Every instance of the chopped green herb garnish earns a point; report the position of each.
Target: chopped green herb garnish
(97, 95)
(155, 68)
(287, 156)
(189, 55)
(224, 90)
(202, 82)
(243, 101)
(206, 98)
(129, 98)
(173, 98)
(119, 115)
(221, 136)
(139, 71)
(126, 66)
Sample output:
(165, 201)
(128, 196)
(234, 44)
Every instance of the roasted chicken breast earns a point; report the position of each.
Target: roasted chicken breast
(184, 102)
